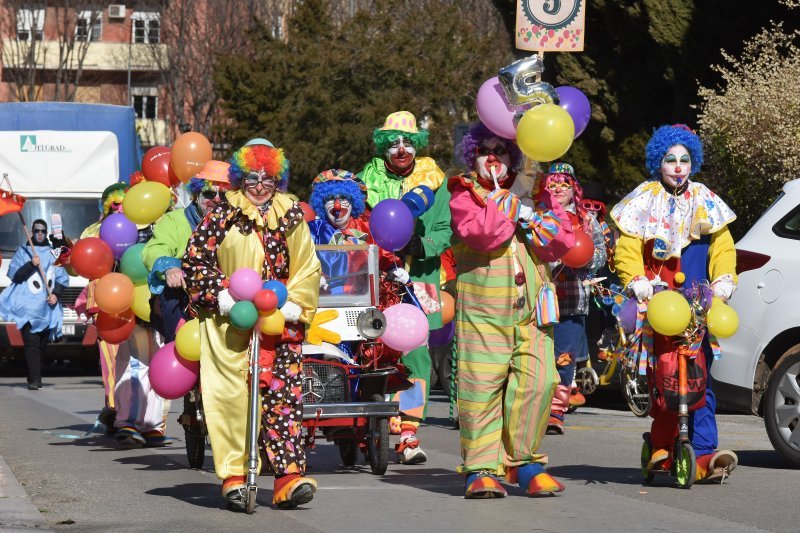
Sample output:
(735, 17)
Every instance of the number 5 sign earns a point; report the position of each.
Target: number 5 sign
(550, 25)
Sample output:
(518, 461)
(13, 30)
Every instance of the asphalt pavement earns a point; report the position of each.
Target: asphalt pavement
(58, 471)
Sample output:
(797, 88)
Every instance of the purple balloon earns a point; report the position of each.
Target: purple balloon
(172, 376)
(443, 335)
(391, 224)
(574, 102)
(494, 110)
(119, 233)
(627, 315)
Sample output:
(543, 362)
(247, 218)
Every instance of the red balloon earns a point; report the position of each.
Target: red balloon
(579, 255)
(115, 328)
(308, 213)
(155, 165)
(173, 178)
(92, 258)
(265, 300)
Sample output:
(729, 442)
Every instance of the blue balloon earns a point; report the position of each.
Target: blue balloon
(279, 289)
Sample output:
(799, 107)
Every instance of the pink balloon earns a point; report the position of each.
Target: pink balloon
(406, 327)
(244, 284)
(494, 110)
(171, 375)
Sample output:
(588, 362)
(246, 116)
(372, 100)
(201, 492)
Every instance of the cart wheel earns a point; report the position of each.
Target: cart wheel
(685, 465)
(647, 452)
(378, 441)
(635, 391)
(348, 451)
(250, 497)
(195, 448)
(587, 380)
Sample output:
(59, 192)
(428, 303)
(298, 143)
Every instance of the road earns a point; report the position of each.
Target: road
(75, 479)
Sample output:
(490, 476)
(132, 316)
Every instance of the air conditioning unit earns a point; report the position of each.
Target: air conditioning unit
(116, 11)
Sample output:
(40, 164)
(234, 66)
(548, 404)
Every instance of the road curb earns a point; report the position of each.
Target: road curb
(17, 512)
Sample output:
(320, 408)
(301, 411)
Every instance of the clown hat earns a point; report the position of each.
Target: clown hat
(260, 140)
(562, 168)
(216, 171)
(401, 121)
(336, 174)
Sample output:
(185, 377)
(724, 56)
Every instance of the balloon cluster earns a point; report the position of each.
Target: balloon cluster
(690, 311)
(257, 302)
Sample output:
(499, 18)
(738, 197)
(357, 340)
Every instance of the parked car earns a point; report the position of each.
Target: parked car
(760, 364)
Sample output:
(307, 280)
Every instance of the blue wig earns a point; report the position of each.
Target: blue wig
(329, 189)
(665, 137)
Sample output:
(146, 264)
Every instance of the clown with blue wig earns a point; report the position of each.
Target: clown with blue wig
(674, 232)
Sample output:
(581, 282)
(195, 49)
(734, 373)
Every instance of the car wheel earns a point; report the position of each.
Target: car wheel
(782, 407)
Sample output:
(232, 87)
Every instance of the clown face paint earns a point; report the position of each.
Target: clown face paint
(400, 155)
(208, 199)
(492, 155)
(562, 190)
(338, 211)
(258, 187)
(676, 166)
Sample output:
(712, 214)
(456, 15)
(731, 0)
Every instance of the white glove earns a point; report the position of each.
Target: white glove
(291, 311)
(323, 283)
(225, 302)
(399, 275)
(526, 213)
(641, 288)
(724, 287)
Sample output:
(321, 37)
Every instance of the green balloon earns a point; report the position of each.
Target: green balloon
(244, 315)
(132, 265)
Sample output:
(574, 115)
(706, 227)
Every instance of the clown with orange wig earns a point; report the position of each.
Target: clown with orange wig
(257, 227)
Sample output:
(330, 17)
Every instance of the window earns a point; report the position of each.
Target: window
(145, 106)
(30, 22)
(89, 26)
(146, 27)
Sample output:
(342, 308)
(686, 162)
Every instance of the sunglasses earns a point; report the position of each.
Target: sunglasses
(209, 194)
(42, 231)
(497, 150)
(592, 205)
(559, 185)
(267, 183)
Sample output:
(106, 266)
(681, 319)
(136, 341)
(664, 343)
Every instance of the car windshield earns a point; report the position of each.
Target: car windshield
(350, 272)
(76, 215)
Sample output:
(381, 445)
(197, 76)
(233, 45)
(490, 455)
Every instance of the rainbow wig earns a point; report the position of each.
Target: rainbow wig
(383, 139)
(479, 133)
(113, 194)
(666, 137)
(259, 158)
(197, 185)
(345, 185)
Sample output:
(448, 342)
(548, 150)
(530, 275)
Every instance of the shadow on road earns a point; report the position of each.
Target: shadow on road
(598, 475)
(436, 480)
(200, 494)
(763, 459)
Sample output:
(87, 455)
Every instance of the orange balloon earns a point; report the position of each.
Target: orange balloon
(190, 152)
(114, 293)
(448, 308)
(308, 213)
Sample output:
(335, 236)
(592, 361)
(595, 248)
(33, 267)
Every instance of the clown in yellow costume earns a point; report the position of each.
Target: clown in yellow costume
(261, 228)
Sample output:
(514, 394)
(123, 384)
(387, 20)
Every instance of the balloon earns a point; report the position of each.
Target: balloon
(391, 224)
(448, 307)
(308, 213)
(155, 165)
(443, 335)
(119, 233)
(187, 340)
(574, 102)
(722, 319)
(92, 258)
(494, 110)
(279, 289)
(271, 323)
(244, 284)
(244, 315)
(545, 132)
(627, 316)
(669, 313)
(172, 376)
(114, 329)
(174, 181)
(132, 265)
(581, 253)
(141, 301)
(406, 327)
(145, 202)
(190, 151)
(265, 300)
(114, 293)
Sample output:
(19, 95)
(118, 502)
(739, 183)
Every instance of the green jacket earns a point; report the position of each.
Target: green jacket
(170, 237)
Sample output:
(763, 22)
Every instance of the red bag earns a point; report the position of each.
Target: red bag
(665, 393)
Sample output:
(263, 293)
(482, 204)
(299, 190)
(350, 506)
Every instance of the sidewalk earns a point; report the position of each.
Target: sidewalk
(17, 512)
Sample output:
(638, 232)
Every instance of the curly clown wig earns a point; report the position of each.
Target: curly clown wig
(334, 182)
(197, 185)
(113, 194)
(259, 158)
(665, 137)
(479, 133)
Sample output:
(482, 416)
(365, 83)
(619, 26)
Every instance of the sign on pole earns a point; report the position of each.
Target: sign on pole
(550, 25)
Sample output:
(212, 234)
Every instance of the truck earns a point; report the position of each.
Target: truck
(60, 157)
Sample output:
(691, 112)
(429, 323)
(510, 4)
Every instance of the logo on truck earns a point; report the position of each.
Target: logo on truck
(27, 143)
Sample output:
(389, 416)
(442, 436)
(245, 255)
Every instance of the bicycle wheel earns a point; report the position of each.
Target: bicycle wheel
(635, 391)
(685, 465)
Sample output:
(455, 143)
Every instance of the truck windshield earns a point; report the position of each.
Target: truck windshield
(76, 215)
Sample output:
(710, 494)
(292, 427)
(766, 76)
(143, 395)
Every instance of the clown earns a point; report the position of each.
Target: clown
(396, 171)
(669, 225)
(257, 227)
(506, 369)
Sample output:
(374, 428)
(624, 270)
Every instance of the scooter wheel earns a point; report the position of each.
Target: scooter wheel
(685, 465)
(251, 501)
(647, 452)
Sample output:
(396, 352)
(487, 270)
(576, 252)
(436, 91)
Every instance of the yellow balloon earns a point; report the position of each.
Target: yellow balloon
(145, 202)
(722, 319)
(141, 302)
(545, 132)
(271, 323)
(187, 340)
(669, 313)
